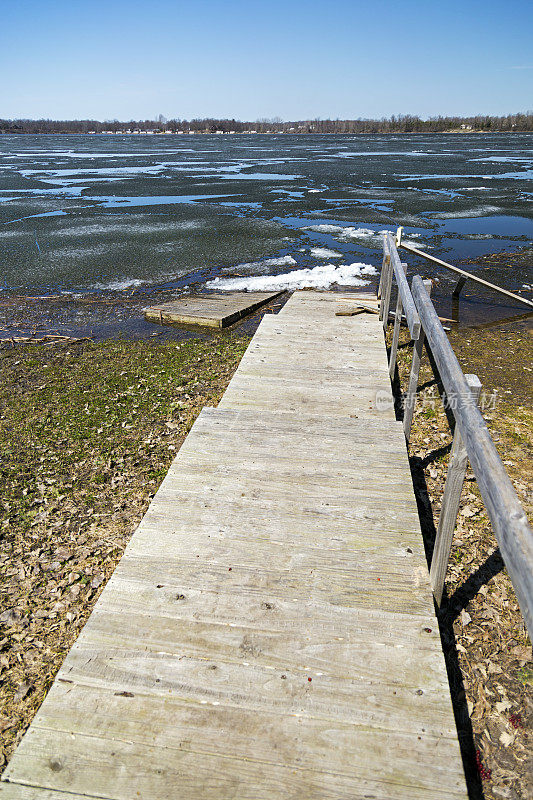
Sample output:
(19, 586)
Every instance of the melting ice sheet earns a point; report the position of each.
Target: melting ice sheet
(93, 213)
(347, 233)
(324, 252)
(255, 267)
(321, 277)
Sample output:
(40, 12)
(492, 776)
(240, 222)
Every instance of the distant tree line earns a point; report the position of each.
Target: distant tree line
(404, 123)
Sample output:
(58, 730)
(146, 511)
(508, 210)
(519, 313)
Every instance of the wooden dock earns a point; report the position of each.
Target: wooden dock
(269, 632)
(209, 310)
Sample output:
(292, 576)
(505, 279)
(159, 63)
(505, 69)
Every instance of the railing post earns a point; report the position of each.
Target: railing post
(385, 301)
(410, 397)
(455, 297)
(385, 283)
(396, 331)
(399, 234)
(385, 267)
(450, 503)
(459, 286)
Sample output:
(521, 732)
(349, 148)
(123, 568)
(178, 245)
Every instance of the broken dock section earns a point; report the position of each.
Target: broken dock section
(209, 310)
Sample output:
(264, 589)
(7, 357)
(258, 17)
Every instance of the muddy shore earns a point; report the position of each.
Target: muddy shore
(109, 314)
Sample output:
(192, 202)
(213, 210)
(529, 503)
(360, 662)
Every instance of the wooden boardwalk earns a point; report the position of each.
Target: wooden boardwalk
(269, 632)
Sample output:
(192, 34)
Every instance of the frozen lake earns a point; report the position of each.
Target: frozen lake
(93, 214)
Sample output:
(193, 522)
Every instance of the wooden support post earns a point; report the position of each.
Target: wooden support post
(385, 281)
(385, 266)
(468, 275)
(396, 331)
(408, 303)
(385, 301)
(410, 397)
(459, 286)
(450, 502)
(455, 297)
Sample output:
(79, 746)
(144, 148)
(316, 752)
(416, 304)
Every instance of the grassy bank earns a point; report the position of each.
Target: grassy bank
(87, 432)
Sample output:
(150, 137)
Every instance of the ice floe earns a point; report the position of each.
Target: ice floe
(365, 235)
(321, 277)
(260, 267)
(119, 286)
(324, 252)
(478, 211)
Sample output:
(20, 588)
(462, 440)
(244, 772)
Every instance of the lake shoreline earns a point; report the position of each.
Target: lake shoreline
(111, 314)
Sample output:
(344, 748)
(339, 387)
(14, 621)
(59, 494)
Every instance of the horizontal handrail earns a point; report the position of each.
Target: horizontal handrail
(408, 306)
(468, 275)
(509, 521)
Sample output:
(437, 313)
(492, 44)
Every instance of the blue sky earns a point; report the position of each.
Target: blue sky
(247, 60)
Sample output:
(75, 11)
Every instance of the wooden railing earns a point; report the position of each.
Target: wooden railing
(464, 276)
(471, 442)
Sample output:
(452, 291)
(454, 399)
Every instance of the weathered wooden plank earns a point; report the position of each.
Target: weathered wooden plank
(106, 766)
(379, 591)
(311, 495)
(141, 594)
(314, 426)
(340, 655)
(316, 431)
(209, 310)
(359, 527)
(312, 298)
(272, 393)
(336, 377)
(176, 720)
(335, 328)
(16, 791)
(385, 556)
(326, 316)
(345, 359)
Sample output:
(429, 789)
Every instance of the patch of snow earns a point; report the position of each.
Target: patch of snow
(321, 277)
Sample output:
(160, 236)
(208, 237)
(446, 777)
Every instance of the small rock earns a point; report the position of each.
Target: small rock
(10, 617)
(465, 617)
(506, 738)
(467, 512)
(21, 692)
